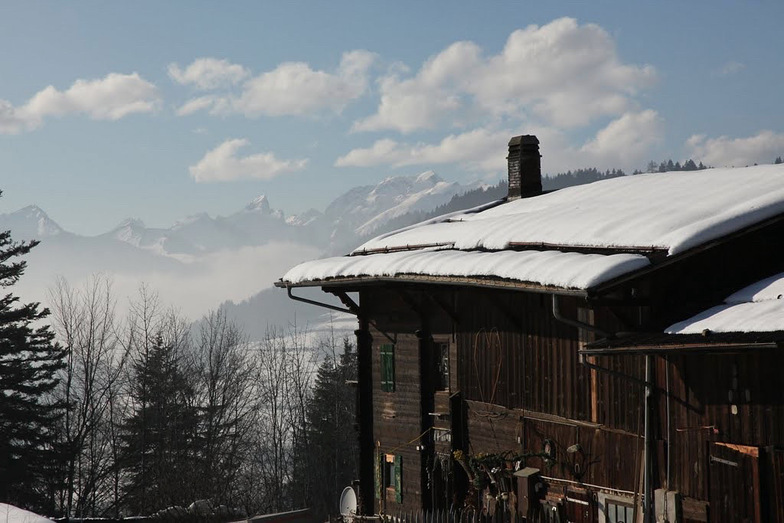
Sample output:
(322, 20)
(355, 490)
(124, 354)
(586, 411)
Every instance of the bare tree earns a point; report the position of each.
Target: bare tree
(84, 322)
(226, 403)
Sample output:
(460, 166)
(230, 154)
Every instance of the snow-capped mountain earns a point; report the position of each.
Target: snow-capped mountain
(362, 210)
(30, 223)
(203, 260)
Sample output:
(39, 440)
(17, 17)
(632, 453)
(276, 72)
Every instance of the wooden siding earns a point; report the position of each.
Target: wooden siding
(518, 377)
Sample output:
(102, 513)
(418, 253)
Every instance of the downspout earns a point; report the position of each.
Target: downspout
(648, 516)
(580, 325)
(648, 484)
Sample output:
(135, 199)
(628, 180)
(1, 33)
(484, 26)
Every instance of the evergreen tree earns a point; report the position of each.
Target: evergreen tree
(332, 450)
(778, 160)
(160, 434)
(29, 364)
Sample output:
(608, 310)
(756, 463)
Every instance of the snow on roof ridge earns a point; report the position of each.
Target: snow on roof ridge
(676, 211)
(437, 219)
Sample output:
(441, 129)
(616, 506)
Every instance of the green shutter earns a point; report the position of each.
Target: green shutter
(399, 478)
(388, 367)
(377, 476)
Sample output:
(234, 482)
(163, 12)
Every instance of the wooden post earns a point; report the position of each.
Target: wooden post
(365, 417)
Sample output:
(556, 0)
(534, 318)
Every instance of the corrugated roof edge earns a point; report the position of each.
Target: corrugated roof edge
(486, 282)
(710, 342)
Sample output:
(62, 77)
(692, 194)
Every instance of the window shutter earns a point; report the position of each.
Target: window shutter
(377, 471)
(399, 478)
(388, 367)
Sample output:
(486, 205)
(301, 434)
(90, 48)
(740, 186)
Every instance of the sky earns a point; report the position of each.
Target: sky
(159, 110)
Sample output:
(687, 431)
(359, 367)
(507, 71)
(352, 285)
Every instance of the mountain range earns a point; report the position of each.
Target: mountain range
(202, 261)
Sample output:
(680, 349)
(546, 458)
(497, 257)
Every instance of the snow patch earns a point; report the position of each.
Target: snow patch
(12, 514)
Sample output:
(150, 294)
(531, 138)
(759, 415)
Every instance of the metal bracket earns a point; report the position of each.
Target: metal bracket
(321, 304)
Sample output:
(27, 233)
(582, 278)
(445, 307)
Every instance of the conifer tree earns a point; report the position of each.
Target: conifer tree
(160, 434)
(29, 364)
(333, 441)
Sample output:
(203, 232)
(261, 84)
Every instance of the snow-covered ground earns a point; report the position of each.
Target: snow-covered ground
(12, 514)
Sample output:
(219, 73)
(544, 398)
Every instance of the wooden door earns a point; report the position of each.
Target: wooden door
(734, 483)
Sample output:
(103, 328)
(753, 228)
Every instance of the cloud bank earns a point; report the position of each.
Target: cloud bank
(764, 147)
(562, 73)
(109, 98)
(292, 88)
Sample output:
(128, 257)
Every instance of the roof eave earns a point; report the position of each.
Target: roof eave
(487, 283)
(610, 285)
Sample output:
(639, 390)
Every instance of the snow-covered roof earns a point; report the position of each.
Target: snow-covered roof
(756, 308)
(568, 270)
(670, 212)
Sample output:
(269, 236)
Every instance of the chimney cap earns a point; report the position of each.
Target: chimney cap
(525, 139)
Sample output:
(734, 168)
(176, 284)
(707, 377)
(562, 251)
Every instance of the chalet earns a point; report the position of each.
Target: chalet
(569, 356)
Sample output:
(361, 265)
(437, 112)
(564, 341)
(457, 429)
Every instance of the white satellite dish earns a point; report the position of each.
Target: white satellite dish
(348, 504)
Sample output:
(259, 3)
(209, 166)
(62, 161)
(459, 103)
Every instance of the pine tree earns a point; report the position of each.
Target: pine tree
(29, 365)
(331, 455)
(159, 454)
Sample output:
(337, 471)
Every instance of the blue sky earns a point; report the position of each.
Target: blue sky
(158, 110)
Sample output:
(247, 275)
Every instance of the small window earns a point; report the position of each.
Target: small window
(618, 512)
(393, 476)
(616, 509)
(441, 354)
(388, 367)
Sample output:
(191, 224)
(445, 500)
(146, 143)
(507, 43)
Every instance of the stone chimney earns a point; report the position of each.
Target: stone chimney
(525, 170)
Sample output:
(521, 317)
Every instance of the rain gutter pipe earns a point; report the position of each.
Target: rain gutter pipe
(320, 304)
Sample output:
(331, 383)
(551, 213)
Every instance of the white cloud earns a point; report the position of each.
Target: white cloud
(422, 102)
(730, 68)
(293, 88)
(724, 151)
(222, 164)
(110, 98)
(479, 149)
(196, 104)
(208, 73)
(623, 143)
(565, 73)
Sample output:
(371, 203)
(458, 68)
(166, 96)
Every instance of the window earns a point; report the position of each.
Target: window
(615, 509)
(389, 478)
(616, 512)
(393, 475)
(388, 367)
(441, 355)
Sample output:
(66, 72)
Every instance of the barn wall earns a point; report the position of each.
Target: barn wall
(518, 375)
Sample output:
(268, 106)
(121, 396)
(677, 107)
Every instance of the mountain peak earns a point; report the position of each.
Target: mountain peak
(131, 223)
(32, 222)
(428, 177)
(259, 204)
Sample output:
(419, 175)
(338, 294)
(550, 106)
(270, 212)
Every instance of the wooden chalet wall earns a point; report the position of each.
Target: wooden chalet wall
(724, 409)
(520, 383)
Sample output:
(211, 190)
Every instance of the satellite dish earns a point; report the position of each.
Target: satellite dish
(348, 503)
